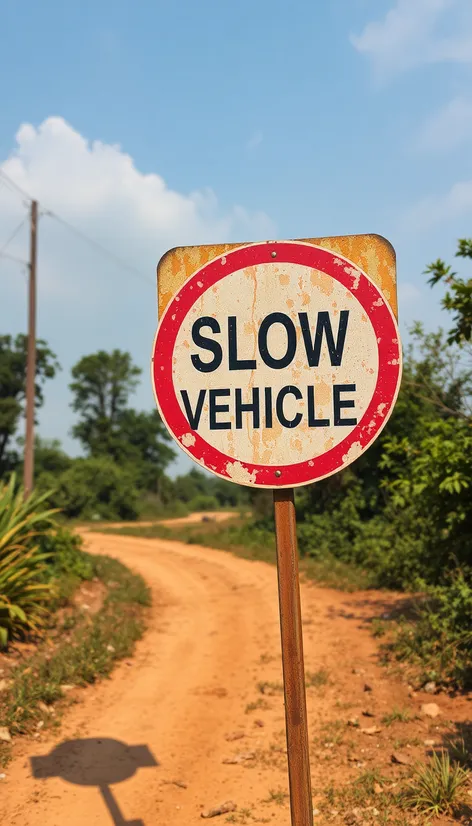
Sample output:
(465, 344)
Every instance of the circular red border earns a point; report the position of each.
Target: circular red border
(389, 351)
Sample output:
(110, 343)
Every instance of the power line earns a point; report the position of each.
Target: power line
(90, 241)
(97, 246)
(11, 184)
(14, 258)
(12, 236)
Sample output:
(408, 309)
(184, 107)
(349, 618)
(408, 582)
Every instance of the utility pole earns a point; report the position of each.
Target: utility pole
(31, 357)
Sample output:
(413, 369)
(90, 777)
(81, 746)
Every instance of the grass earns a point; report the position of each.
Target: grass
(257, 704)
(459, 750)
(241, 816)
(434, 641)
(276, 796)
(316, 679)
(435, 788)
(369, 793)
(406, 742)
(378, 628)
(235, 535)
(361, 792)
(332, 733)
(86, 650)
(268, 687)
(397, 715)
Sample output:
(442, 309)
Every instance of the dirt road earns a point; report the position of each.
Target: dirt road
(204, 687)
(190, 519)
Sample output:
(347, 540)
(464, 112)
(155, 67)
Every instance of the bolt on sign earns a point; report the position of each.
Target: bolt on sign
(277, 364)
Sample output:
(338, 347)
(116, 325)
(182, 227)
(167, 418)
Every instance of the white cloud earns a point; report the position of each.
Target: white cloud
(416, 32)
(86, 301)
(98, 188)
(448, 128)
(437, 209)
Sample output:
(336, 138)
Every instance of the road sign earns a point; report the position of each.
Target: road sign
(274, 365)
(277, 364)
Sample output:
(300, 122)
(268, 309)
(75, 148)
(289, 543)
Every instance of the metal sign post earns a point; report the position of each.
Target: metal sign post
(298, 752)
(275, 365)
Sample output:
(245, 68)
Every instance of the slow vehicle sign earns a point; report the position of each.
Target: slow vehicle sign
(277, 364)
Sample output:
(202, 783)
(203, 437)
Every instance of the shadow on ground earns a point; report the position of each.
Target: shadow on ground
(368, 611)
(100, 762)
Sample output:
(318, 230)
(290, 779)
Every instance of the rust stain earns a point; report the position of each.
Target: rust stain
(322, 281)
(372, 253)
(323, 393)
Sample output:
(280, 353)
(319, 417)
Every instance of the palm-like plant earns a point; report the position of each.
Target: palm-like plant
(435, 788)
(23, 594)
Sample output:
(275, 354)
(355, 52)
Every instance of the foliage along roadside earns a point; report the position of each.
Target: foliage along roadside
(79, 648)
(24, 591)
(122, 474)
(426, 790)
(434, 643)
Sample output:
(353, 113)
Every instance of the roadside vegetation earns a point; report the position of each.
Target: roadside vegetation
(122, 473)
(65, 616)
(401, 516)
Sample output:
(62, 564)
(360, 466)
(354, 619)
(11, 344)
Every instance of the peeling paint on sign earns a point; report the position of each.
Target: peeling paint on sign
(276, 363)
(370, 253)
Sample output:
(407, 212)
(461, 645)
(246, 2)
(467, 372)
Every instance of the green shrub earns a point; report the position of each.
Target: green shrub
(65, 555)
(23, 591)
(94, 488)
(81, 655)
(203, 502)
(66, 564)
(153, 507)
(431, 480)
(439, 641)
(393, 549)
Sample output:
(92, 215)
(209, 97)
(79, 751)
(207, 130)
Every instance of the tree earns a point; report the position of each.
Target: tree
(49, 457)
(434, 477)
(192, 484)
(434, 387)
(103, 383)
(141, 440)
(458, 298)
(13, 358)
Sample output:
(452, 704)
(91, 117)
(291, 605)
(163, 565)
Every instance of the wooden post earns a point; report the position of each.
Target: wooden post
(301, 803)
(28, 462)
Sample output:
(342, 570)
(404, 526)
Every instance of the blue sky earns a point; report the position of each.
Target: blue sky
(151, 124)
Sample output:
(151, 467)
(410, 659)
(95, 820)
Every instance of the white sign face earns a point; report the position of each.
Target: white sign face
(277, 364)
